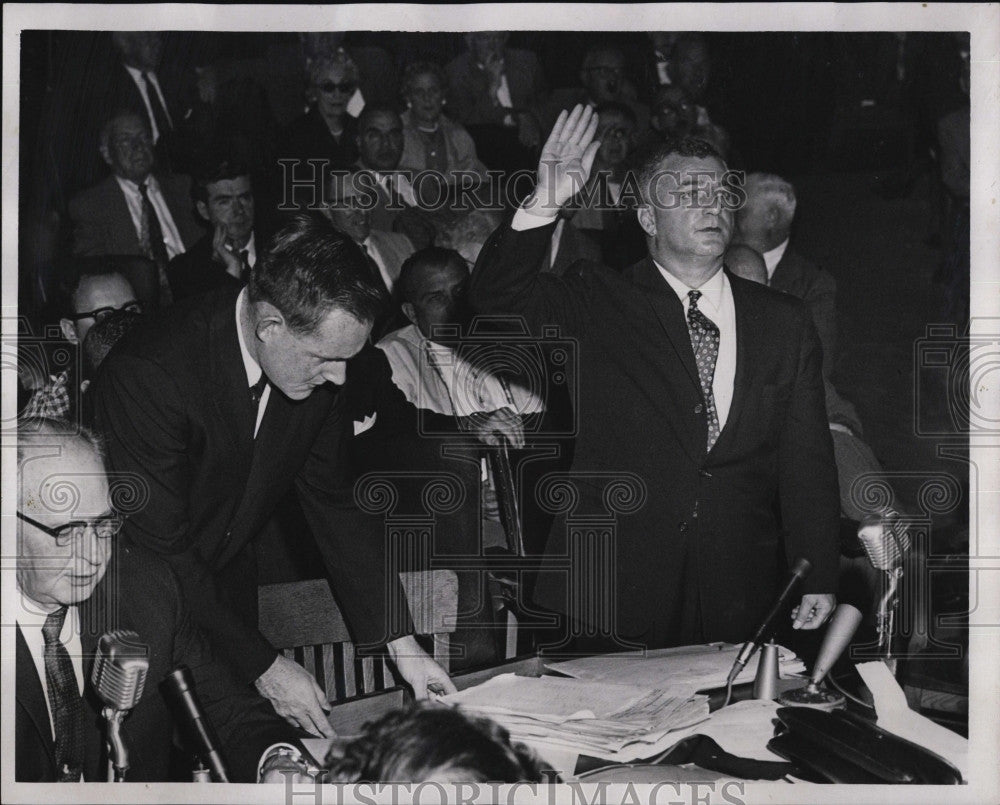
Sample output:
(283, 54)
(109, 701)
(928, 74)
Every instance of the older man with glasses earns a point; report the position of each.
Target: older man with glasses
(75, 583)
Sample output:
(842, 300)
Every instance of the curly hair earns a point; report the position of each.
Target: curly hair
(431, 740)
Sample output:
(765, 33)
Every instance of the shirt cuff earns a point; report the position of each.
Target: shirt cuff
(524, 220)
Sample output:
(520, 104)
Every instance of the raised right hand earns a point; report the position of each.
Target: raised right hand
(567, 157)
(296, 696)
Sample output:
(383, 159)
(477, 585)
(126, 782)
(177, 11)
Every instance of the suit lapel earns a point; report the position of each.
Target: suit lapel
(670, 313)
(748, 337)
(230, 395)
(31, 697)
(119, 213)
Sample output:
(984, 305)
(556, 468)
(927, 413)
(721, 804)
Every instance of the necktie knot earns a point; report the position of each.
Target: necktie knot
(694, 296)
(257, 389)
(144, 191)
(53, 626)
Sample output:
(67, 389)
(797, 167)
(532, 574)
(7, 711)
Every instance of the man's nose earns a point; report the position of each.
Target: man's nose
(336, 373)
(92, 550)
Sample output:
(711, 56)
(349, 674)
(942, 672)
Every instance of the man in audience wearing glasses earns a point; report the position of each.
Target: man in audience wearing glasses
(78, 579)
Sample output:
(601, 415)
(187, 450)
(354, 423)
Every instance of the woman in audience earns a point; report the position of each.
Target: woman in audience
(432, 141)
(326, 131)
(430, 741)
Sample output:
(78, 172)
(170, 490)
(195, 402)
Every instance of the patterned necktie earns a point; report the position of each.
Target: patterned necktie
(64, 699)
(153, 241)
(160, 115)
(705, 341)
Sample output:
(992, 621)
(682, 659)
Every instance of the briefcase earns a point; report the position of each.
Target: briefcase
(840, 747)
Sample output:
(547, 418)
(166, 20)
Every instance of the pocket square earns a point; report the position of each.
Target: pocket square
(365, 424)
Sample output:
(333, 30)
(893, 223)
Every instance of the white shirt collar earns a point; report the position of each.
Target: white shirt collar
(711, 291)
(773, 257)
(251, 366)
(152, 186)
(250, 248)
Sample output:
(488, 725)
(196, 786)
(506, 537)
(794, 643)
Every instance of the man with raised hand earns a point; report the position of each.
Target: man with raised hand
(702, 427)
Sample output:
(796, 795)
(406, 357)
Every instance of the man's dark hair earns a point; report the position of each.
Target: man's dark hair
(431, 257)
(430, 740)
(73, 272)
(371, 110)
(104, 335)
(212, 170)
(647, 162)
(309, 268)
(616, 108)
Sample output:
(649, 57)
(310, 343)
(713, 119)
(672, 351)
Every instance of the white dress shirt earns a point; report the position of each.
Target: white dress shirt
(436, 378)
(773, 257)
(136, 75)
(716, 303)
(372, 249)
(251, 366)
(250, 247)
(133, 198)
(399, 183)
(29, 616)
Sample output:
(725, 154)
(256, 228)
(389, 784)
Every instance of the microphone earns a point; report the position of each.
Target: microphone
(885, 542)
(799, 570)
(119, 678)
(179, 688)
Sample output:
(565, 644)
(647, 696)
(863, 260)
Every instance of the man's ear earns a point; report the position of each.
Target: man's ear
(268, 321)
(409, 311)
(106, 156)
(68, 329)
(646, 220)
(202, 208)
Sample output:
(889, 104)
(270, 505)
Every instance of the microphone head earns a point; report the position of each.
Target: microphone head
(801, 568)
(884, 542)
(120, 668)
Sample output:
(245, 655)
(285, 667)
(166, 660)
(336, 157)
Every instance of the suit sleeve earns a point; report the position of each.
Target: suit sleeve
(138, 410)
(807, 475)
(507, 279)
(351, 541)
(245, 722)
(822, 301)
(88, 239)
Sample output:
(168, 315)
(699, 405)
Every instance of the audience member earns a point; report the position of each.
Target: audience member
(722, 447)
(380, 147)
(76, 581)
(431, 140)
(433, 742)
(92, 292)
(496, 92)
(657, 62)
(467, 233)
(673, 114)
(602, 80)
(134, 211)
(598, 210)
(241, 386)
(102, 337)
(224, 198)
(746, 262)
(764, 223)
(346, 207)
(690, 69)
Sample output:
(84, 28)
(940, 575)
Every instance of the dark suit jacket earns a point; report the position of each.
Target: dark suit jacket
(197, 271)
(102, 224)
(799, 277)
(173, 403)
(140, 593)
(685, 528)
(469, 100)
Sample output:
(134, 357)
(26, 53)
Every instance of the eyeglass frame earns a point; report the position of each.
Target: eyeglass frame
(59, 533)
(135, 306)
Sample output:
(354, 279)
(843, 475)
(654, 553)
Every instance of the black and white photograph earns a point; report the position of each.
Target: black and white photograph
(501, 403)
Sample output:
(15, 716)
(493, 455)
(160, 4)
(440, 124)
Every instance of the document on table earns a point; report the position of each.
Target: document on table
(682, 670)
(617, 722)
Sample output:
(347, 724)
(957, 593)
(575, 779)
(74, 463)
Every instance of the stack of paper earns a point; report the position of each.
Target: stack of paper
(682, 670)
(617, 722)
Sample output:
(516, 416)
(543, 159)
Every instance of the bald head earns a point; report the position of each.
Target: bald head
(746, 262)
(63, 500)
(765, 220)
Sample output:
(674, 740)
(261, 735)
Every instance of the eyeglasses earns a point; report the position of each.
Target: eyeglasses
(606, 72)
(135, 141)
(329, 87)
(103, 312)
(67, 534)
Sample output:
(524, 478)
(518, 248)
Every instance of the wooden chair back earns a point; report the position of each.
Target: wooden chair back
(301, 619)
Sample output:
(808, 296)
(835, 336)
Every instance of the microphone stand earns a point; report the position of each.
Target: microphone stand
(117, 751)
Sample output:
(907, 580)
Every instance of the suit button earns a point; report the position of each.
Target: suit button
(682, 527)
(698, 408)
(704, 473)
